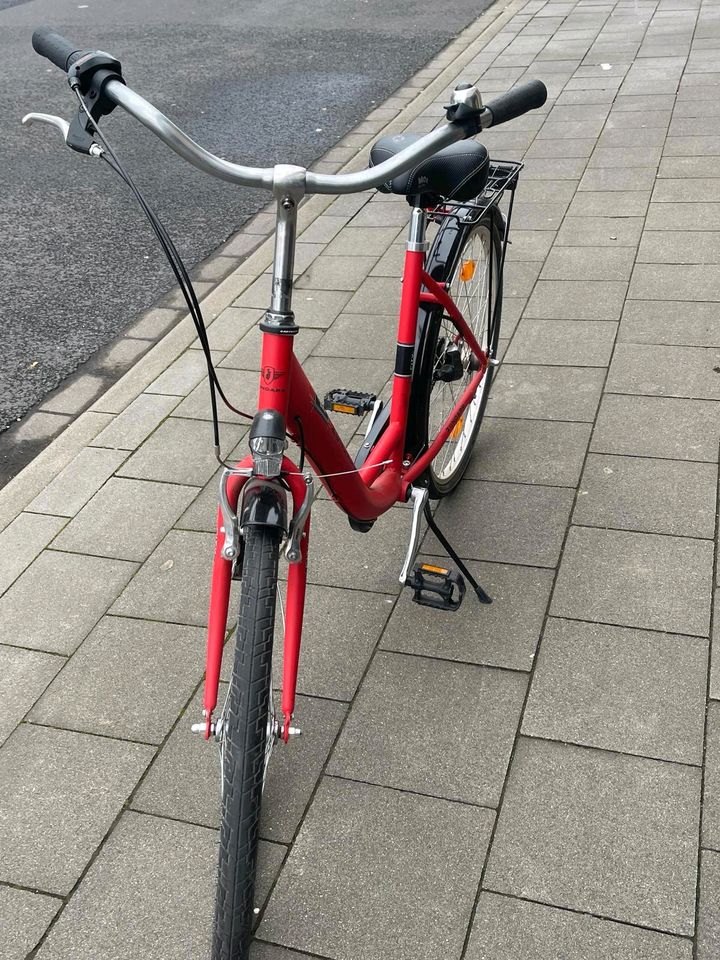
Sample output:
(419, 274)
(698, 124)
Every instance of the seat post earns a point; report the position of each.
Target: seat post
(416, 241)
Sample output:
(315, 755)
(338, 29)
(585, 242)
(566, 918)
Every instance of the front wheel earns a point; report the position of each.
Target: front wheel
(467, 258)
(246, 736)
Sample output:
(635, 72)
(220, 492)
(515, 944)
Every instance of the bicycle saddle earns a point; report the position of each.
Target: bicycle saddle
(459, 172)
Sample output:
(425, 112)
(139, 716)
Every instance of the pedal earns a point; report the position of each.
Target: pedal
(436, 587)
(349, 401)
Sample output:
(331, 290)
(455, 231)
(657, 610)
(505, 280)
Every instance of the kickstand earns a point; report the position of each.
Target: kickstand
(481, 595)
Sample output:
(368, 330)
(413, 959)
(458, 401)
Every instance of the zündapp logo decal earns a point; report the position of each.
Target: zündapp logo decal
(271, 374)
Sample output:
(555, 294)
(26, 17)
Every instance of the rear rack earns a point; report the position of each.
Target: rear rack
(502, 176)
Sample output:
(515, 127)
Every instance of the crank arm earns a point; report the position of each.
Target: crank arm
(419, 498)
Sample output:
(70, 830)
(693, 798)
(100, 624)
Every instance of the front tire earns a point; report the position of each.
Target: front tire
(245, 732)
(467, 258)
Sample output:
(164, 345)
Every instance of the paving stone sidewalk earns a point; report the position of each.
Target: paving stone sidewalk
(537, 779)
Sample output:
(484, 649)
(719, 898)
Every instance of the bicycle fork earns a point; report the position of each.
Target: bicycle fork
(227, 562)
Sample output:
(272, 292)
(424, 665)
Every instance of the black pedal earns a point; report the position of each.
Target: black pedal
(349, 401)
(436, 587)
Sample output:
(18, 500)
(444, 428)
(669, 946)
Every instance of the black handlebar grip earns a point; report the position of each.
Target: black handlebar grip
(57, 49)
(528, 96)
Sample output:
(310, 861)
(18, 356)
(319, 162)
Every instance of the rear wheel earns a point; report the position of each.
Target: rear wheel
(246, 736)
(471, 269)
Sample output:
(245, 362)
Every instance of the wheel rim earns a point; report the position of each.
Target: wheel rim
(470, 289)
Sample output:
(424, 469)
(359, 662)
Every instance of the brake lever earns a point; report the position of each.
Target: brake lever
(92, 149)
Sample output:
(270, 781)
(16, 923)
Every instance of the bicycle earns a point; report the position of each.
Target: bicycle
(416, 447)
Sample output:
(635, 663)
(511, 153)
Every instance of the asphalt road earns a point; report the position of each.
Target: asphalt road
(279, 81)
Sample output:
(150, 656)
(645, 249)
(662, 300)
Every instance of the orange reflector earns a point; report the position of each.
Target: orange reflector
(431, 569)
(467, 270)
(456, 430)
(342, 408)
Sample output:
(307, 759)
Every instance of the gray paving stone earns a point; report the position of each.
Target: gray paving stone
(679, 281)
(665, 371)
(413, 902)
(76, 484)
(24, 917)
(586, 343)
(24, 674)
(391, 264)
(268, 951)
(611, 179)
(516, 523)
(318, 308)
(462, 748)
(150, 894)
(503, 634)
(180, 451)
(658, 427)
(563, 149)
(322, 229)
(519, 278)
(620, 157)
(657, 496)
(241, 389)
(715, 659)
(675, 323)
(340, 631)
(184, 781)
(529, 451)
(508, 929)
(683, 216)
(337, 273)
(366, 241)
(230, 326)
(560, 168)
(708, 928)
(75, 592)
(183, 374)
(604, 203)
(21, 541)
(129, 679)
(620, 689)
(128, 430)
(573, 300)
(383, 214)
(711, 791)
(257, 293)
(589, 263)
(174, 583)
(355, 335)
(340, 557)
(682, 247)
(376, 295)
(601, 833)
(126, 519)
(636, 580)
(687, 166)
(538, 216)
(61, 792)
(546, 393)
(529, 245)
(600, 232)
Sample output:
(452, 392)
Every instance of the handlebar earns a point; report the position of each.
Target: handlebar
(470, 120)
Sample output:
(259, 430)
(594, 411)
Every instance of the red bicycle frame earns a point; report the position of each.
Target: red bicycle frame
(364, 494)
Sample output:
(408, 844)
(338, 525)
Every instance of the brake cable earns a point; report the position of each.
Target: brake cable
(181, 275)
